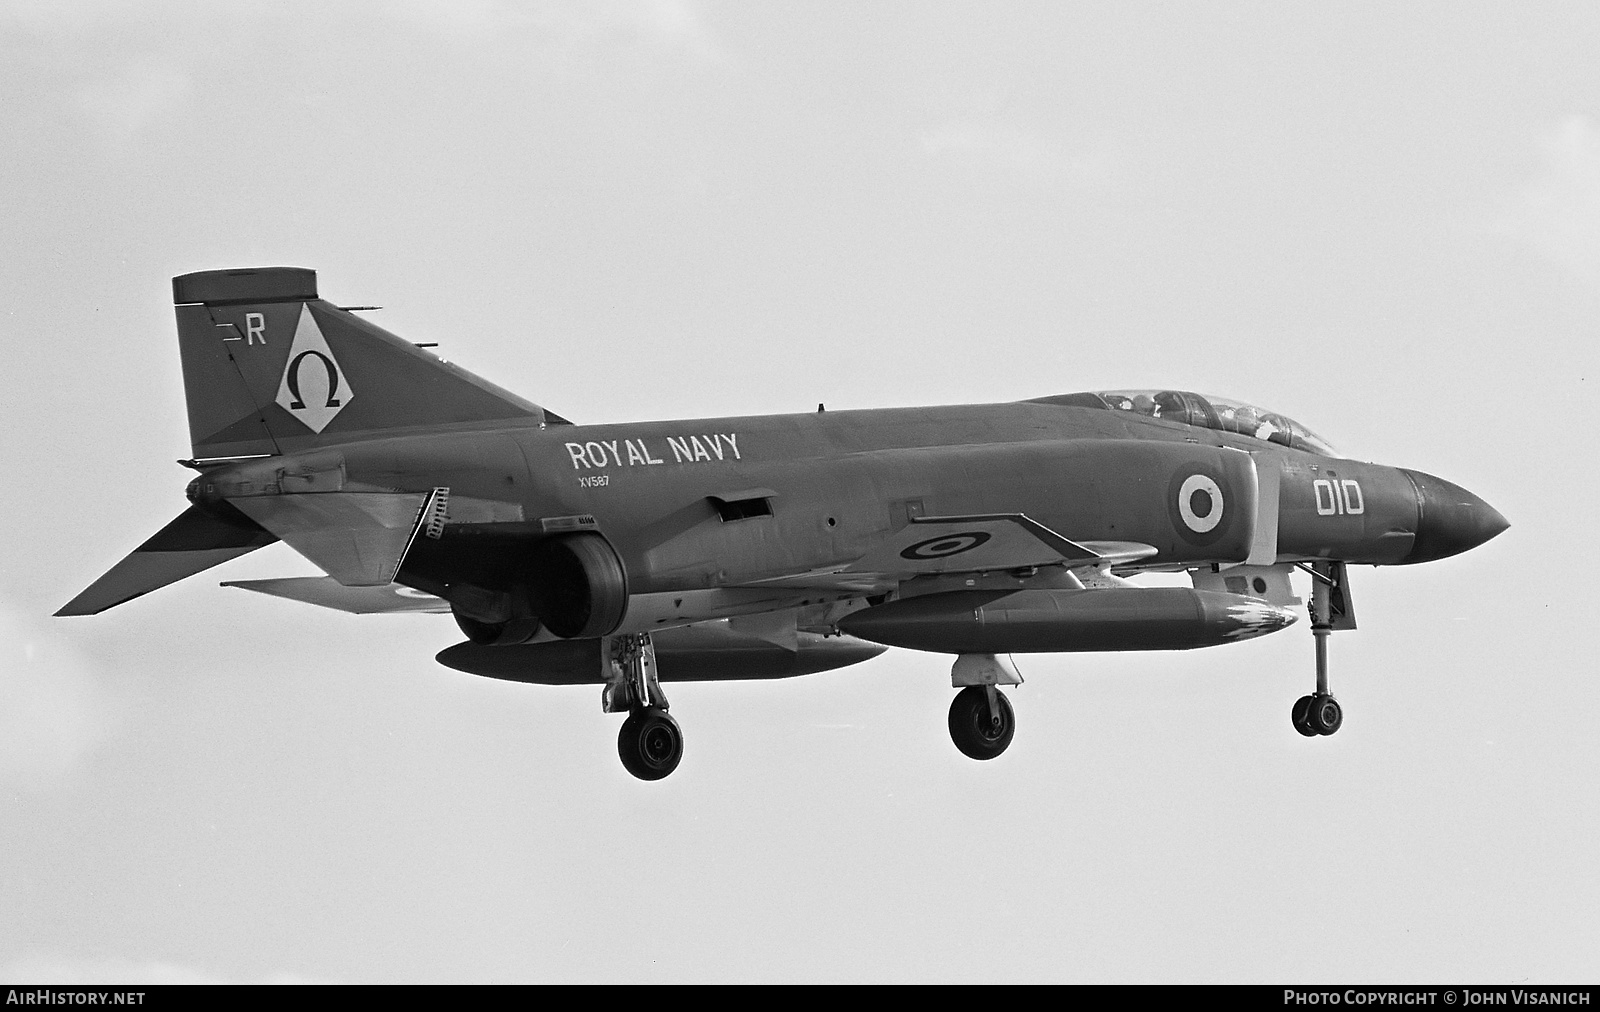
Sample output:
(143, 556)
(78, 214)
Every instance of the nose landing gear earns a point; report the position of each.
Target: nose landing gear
(1319, 713)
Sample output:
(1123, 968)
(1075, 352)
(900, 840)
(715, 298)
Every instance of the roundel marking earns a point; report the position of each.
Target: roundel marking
(1200, 503)
(945, 545)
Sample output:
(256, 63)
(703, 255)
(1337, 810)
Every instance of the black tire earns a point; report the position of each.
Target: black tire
(1326, 715)
(650, 743)
(1301, 716)
(974, 731)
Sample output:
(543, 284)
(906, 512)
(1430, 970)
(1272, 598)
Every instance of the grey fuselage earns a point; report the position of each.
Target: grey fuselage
(836, 482)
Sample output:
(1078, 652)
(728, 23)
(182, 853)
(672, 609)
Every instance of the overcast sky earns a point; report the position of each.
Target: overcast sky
(1382, 220)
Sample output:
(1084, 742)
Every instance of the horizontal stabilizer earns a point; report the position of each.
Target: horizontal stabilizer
(196, 541)
(358, 538)
(327, 592)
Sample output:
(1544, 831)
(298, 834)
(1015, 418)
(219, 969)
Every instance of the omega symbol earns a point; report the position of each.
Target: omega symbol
(293, 379)
(314, 388)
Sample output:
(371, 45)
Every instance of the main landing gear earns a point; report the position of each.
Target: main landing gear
(981, 719)
(650, 743)
(981, 722)
(1319, 713)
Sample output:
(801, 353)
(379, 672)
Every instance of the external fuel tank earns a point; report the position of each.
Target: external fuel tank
(1051, 621)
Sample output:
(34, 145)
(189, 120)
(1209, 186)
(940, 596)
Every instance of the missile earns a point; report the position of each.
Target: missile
(1050, 621)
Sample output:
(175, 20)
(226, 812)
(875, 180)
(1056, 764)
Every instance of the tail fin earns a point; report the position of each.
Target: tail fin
(270, 368)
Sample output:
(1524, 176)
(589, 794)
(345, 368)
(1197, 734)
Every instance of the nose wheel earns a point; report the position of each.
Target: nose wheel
(1317, 714)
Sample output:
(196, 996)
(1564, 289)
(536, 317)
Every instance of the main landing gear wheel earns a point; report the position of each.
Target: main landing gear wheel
(981, 731)
(1317, 714)
(650, 743)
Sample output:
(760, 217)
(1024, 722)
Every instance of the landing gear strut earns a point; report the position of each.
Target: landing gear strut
(1319, 713)
(650, 743)
(981, 720)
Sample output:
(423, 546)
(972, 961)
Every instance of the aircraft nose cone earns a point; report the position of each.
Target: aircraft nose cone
(1450, 519)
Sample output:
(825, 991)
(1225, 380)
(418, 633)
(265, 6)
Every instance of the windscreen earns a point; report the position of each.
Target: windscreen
(1220, 413)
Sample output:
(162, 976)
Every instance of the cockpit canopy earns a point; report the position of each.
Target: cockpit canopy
(1189, 408)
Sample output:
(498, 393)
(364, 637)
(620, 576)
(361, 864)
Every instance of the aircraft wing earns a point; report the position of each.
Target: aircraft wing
(327, 592)
(196, 541)
(966, 544)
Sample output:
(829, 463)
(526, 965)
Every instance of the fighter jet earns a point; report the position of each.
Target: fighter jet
(635, 554)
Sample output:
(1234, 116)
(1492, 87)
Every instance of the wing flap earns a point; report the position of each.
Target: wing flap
(358, 538)
(197, 540)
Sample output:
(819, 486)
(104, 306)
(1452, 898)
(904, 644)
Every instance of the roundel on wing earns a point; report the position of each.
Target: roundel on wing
(1200, 504)
(944, 546)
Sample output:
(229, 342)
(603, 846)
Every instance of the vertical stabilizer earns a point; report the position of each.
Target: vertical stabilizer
(268, 367)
